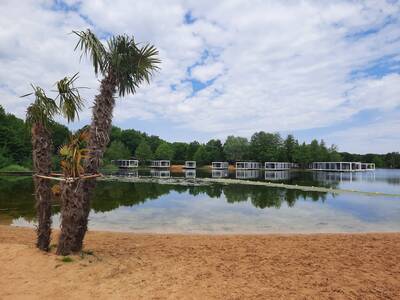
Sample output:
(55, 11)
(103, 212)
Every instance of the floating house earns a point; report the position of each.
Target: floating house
(219, 173)
(248, 165)
(160, 164)
(278, 165)
(247, 174)
(219, 165)
(126, 163)
(190, 164)
(342, 166)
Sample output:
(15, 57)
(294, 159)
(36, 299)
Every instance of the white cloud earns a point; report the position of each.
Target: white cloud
(277, 66)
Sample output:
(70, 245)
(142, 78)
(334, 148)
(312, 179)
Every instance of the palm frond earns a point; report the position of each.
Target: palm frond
(42, 110)
(91, 46)
(131, 65)
(70, 100)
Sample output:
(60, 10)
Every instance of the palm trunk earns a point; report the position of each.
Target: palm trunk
(41, 156)
(76, 210)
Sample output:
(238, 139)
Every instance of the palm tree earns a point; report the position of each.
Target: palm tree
(124, 65)
(40, 114)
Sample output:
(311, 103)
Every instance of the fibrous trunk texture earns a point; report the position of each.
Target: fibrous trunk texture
(76, 221)
(41, 157)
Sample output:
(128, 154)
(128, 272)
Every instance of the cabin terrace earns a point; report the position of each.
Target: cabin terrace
(248, 165)
(160, 164)
(219, 165)
(126, 163)
(342, 166)
(278, 165)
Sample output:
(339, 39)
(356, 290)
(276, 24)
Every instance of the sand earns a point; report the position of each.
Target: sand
(151, 266)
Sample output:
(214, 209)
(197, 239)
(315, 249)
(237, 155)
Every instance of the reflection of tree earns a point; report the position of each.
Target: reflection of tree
(16, 197)
(109, 196)
(263, 197)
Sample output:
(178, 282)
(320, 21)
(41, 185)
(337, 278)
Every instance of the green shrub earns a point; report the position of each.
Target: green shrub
(14, 168)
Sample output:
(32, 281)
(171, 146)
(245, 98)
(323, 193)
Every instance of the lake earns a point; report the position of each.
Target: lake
(215, 208)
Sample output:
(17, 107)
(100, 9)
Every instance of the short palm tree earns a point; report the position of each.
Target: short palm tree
(40, 114)
(124, 65)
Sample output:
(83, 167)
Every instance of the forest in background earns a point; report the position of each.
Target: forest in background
(15, 148)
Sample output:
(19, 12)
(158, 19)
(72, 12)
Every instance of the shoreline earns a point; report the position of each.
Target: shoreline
(200, 266)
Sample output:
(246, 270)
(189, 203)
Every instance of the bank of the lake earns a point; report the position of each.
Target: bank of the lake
(143, 266)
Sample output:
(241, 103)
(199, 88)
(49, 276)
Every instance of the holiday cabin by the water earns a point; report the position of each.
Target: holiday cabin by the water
(219, 165)
(126, 163)
(160, 164)
(342, 166)
(248, 165)
(278, 165)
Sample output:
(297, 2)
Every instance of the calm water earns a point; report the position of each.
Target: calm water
(152, 207)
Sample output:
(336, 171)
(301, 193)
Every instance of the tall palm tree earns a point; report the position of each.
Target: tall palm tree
(124, 66)
(40, 114)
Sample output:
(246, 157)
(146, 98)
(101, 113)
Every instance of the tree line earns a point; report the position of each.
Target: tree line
(15, 147)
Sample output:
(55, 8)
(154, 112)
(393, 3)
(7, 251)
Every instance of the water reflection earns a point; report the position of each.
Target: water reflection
(219, 173)
(247, 174)
(277, 175)
(190, 173)
(158, 207)
(160, 173)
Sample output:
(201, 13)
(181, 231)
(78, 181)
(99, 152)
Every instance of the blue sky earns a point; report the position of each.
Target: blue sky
(318, 70)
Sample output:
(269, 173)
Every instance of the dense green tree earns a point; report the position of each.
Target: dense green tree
(290, 146)
(116, 150)
(143, 151)
(131, 138)
(191, 150)
(236, 148)
(214, 150)
(265, 146)
(164, 151)
(180, 150)
(201, 156)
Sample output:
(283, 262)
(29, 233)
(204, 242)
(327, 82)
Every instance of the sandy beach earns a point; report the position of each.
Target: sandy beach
(151, 266)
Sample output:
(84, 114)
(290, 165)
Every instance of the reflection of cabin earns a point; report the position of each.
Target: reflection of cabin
(248, 165)
(277, 175)
(190, 173)
(190, 164)
(342, 166)
(160, 164)
(219, 165)
(247, 174)
(278, 165)
(219, 173)
(128, 173)
(160, 173)
(126, 163)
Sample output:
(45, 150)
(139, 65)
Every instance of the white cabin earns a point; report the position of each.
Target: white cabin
(342, 166)
(160, 164)
(126, 163)
(219, 165)
(248, 165)
(278, 165)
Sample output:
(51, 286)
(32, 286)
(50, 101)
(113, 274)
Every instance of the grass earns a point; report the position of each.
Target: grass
(14, 168)
(67, 259)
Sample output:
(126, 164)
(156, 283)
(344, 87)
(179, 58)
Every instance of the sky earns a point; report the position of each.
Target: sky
(316, 69)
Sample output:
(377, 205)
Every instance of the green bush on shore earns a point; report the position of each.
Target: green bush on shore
(14, 168)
